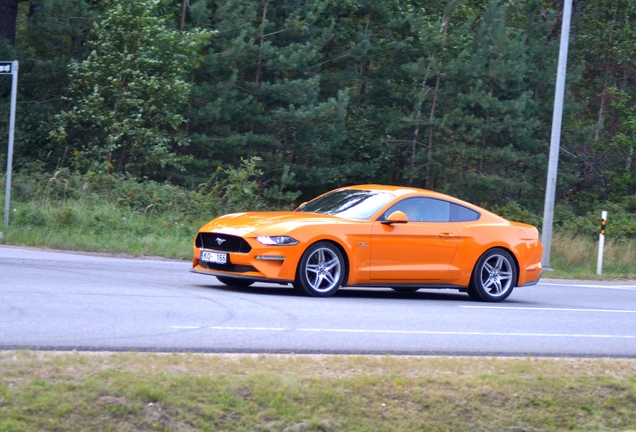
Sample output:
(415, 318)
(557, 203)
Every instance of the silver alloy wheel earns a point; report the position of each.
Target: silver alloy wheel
(323, 270)
(496, 275)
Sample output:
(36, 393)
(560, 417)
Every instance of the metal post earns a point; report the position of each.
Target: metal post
(14, 95)
(601, 243)
(555, 139)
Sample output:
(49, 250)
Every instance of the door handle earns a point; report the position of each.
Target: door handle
(446, 235)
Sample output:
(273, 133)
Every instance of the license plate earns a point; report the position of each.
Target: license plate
(213, 257)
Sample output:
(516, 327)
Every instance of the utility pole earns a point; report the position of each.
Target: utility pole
(555, 139)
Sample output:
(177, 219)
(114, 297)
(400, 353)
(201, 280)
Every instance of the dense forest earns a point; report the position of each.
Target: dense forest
(454, 96)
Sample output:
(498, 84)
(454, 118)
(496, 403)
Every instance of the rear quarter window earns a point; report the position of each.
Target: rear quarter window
(462, 214)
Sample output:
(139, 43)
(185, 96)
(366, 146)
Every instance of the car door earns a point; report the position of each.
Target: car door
(418, 250)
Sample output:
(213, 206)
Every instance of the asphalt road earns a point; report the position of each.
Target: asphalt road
(53, 300)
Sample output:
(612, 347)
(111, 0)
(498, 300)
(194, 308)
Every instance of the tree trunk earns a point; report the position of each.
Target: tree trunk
(8, 19)
(416, 134)
(601, 114)
(361, 84)
(431, 117)
(259, 68)
(183, 15)
(450, 7)
(484, 143)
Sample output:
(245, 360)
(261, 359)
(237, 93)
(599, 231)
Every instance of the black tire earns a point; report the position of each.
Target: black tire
(473, 295)
(321, 270)
(406, 290)
(494, 276)
(235, 282)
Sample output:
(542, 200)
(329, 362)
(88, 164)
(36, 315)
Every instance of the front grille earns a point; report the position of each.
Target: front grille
(222, 242)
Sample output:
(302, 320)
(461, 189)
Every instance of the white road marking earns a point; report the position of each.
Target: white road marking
(249, 328)
(409, 332)
(550, 309)
(612, 287)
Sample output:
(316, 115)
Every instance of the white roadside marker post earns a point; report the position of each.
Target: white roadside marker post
(601, 243)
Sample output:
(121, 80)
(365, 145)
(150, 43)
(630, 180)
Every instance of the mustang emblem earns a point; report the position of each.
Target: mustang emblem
(219, 241)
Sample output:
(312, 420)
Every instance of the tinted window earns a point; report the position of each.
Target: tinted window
(422, 210)
(462, 214)
(348, 203)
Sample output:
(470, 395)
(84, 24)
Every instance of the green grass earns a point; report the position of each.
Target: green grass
(575, 257)
(100, 227)
(178, 392)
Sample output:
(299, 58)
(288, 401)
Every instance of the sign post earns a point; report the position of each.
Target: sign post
(10, 68)
(601, 243)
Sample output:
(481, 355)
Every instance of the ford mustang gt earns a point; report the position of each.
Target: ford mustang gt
(373, 236)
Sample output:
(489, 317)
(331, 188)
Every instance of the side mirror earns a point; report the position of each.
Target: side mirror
(396, 217)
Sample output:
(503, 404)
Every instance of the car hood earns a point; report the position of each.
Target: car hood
(268, 223)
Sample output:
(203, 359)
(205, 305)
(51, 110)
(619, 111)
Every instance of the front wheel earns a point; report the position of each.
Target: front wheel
(494, 276)
(321, 270)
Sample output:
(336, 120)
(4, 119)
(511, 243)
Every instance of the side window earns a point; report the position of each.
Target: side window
(462, 214)
(422, 210)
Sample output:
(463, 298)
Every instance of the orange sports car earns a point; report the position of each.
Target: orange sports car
(373, 236)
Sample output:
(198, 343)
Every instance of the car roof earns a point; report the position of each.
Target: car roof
(402, 190)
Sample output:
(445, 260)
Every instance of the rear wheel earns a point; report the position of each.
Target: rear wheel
(235, 282)
(494, 276)
(321, 270)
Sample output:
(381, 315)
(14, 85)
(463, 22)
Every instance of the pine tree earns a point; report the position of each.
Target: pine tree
(494, 123)
(606, 92)
(258, 93)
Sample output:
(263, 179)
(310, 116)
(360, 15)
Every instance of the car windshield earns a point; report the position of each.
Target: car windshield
(348, 203)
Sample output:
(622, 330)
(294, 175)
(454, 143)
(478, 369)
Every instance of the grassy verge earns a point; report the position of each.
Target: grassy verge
(576, 257)
(141, 391)
(101, 227)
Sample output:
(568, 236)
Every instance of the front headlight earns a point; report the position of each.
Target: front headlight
(277, 240)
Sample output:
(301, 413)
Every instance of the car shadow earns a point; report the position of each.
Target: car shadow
(387, 293)
(356, 293)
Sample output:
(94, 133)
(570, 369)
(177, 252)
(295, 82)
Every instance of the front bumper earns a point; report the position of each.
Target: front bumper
(271, 263)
